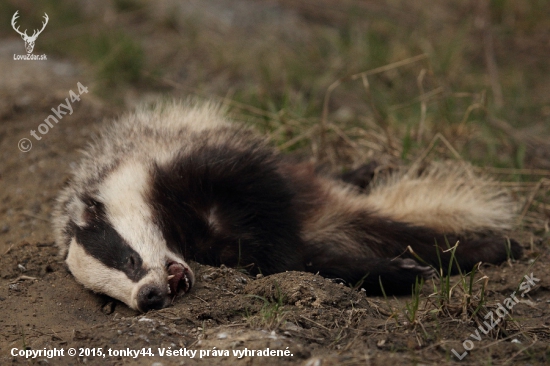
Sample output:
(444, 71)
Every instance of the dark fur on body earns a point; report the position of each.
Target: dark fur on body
(261, 202)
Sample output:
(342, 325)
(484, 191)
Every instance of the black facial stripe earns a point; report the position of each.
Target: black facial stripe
(102, 241)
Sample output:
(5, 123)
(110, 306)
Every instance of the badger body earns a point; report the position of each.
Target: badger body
(179, 182)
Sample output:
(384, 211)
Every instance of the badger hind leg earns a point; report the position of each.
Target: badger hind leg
(459, 253)
(363, 250)
(379, 276)
(397, 264)
(469, 252)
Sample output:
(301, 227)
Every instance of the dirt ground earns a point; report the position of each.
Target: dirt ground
(309, 320)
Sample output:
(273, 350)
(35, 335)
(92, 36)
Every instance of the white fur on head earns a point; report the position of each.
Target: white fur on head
(123, 193)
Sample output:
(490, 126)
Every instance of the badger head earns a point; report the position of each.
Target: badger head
(112, 243)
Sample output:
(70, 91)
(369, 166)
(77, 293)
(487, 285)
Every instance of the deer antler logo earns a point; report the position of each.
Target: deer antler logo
(29, 41)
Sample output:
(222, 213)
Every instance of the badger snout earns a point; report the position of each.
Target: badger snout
(159, 290)
(152, 297)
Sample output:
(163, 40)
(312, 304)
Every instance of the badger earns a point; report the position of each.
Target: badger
(178, 182)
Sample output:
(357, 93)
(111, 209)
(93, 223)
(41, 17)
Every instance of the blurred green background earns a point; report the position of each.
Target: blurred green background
(481, 78)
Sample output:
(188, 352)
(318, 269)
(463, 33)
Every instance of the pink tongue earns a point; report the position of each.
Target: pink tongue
(179, 281)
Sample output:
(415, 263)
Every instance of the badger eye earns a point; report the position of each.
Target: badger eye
(93, 209)
(92, 204)
(131, 262)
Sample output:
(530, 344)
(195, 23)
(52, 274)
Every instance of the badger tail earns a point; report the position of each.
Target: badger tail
(446, 198)
(405, 226)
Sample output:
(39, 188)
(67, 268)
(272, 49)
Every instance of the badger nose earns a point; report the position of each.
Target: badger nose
(151, 297)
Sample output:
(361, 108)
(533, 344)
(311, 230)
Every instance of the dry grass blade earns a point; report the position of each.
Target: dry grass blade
(427, 96)
(314, 322)
(310, 132)
(531, 197)
(438, 137)
(362, 75)
(521, 351)
(423, 105)
(512, 171)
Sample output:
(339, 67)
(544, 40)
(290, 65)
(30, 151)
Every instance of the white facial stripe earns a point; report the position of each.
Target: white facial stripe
(99, 278)
(123, 194)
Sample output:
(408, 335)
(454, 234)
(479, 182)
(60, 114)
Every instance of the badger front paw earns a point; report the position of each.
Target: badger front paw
(401, 275)
(414, 268)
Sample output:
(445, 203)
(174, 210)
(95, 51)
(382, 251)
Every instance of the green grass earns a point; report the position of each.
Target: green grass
(271, 314)
(412, 307)
(118, 58)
